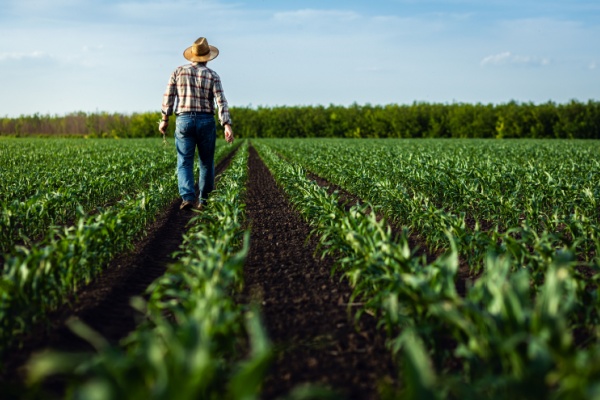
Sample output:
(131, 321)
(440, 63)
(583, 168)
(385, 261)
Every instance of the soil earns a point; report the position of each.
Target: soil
(304, 307)
(104, 303)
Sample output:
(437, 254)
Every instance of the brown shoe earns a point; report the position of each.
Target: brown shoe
(198, 206)
(185, 204)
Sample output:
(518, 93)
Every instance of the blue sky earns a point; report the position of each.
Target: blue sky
(60, 56)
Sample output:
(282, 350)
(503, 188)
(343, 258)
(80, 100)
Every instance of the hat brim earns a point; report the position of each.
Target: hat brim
(214, 52)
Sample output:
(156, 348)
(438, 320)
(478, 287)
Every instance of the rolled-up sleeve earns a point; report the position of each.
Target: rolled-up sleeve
(223, 109)
(170, 94)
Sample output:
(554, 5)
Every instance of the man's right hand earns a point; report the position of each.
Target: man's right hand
(162, 127)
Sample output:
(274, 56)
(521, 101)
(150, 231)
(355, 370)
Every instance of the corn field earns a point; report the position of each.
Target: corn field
(477, 260)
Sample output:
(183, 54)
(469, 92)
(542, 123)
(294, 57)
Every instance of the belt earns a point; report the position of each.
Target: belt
(193, 113)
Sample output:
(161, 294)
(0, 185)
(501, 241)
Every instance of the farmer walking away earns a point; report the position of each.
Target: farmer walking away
(195, 87)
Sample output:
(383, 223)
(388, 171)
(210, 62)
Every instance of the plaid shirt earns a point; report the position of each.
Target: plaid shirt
(196, 87)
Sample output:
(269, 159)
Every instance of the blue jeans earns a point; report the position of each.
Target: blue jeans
(195, 130)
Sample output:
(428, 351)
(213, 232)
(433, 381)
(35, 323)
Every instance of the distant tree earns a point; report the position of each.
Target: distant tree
(426, 120)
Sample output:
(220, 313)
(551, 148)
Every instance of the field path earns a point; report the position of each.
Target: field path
(305, 309)
(104, 303)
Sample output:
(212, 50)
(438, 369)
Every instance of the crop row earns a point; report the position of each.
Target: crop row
(420, 186)
(504, 338)
(54, 182)
(484, 193)
(189, 345)
(38, 279)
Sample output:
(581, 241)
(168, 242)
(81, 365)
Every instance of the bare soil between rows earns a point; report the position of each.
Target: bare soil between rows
(305, 308)
(104, 304)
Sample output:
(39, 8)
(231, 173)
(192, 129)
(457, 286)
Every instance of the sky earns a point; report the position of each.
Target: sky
(62, 56)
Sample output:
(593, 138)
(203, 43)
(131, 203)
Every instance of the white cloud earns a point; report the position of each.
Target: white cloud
(312, 15)
(461, 17)
(34, 55)
(143, 10)
(42, 5)
(508, 58)
(87, 57)
(92, 48)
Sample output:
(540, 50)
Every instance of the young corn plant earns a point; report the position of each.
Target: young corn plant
(39, 278)
(42, 192)
(510, 336)
(189, 345)
(473, 188)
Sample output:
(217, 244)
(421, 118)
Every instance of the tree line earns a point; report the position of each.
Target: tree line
(575, 119)
(102, 124)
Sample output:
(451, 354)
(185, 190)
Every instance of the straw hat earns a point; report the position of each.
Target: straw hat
(201, 51)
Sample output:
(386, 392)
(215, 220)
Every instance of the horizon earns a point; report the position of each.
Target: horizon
(99, 112)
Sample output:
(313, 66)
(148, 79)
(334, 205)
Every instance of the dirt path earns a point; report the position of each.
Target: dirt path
(305, 309)
(104, 303)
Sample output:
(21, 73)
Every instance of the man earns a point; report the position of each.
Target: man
(196, 87)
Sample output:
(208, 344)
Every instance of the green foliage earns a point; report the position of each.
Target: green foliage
(574, 120)
(68, 207)
(90, 125)
(456, 120)
(190, 345)
(483, 192)
(37, 280)
(54, 182)
(512, 333)
(520, 217)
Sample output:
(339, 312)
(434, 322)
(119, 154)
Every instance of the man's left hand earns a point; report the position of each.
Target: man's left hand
(228, 133)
